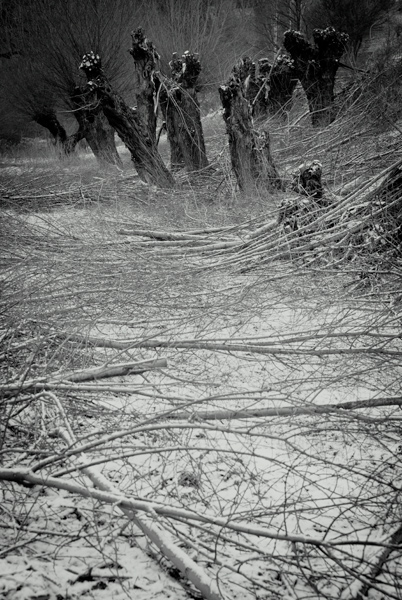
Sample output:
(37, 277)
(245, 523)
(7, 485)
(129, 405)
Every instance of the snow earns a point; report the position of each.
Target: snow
(333, 477)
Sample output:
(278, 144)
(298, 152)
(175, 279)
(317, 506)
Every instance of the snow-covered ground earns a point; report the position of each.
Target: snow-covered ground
(274, 504)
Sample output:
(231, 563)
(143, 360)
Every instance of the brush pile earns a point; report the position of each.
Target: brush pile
(314, 226)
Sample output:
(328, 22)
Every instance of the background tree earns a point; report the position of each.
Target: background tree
(214, 29)
(57, 34)
(273, 17)
(357, 18)
(51, 38)
(315, 66)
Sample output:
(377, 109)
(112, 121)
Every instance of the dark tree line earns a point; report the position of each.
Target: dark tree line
(49, 45)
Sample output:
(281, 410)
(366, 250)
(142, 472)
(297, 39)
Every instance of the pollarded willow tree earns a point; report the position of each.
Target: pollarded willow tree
(181, 111)
(125, 121)
(177, 97)
(250, 152)
(316, 65)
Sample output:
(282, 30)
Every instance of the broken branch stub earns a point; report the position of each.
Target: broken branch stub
(124, 120)
(250, 152)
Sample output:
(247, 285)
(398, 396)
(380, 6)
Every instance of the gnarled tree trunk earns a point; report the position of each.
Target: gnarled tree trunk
(145, 56)
(181, 111)
(47, 118)
(250, 152)
(316, 66)
(94, 127)
(124, 120)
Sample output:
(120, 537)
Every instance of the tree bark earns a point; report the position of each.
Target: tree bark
(94, 127)
(124, 120)
(47, 118)
(250, 152)
(316, 67)
(181, 111)
(145, 58)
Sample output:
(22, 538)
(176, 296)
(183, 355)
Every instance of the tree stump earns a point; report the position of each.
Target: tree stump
(144, 154)
(307, 180)
(250, 152)
(181, 112)
(145, 58)
(316, 66)
(94, 127)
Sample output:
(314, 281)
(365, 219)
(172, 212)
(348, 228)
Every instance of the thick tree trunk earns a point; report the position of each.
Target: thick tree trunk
(94, 127)
(168, 112)
(250, 153)
(124, 120)
(145, 57)
(47, 118)
(316, 67)
(181, 111)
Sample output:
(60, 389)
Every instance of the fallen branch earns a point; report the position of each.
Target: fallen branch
(227, 347)
(93, 373)
(25, 477)
(148, 523)
(285, 411)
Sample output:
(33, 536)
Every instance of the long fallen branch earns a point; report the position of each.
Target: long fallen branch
(226, 347)
(90, 374)
(24, 476)
(211, 415)
(163, 235)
